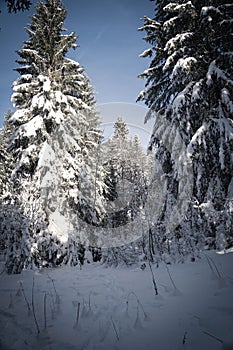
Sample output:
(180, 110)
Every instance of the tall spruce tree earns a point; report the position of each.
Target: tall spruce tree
(128, 171)
(55, 139)
(189, 91)
(126, 165)
(5, 158)
(5, 172)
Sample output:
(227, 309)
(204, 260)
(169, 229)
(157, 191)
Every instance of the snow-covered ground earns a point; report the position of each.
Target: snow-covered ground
(116, 308)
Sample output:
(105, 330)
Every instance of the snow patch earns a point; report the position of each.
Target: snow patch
(30, 128)
(206, 9)
(47, 85)
(59, 226)
(146, 53)
(214, 71)
(184, 64)
(226, 99)
(178, 39)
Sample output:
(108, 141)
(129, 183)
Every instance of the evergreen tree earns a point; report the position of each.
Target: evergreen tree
(127, 175)
(189, 91)
(18, 5)
(126, 165)
(5, 172)
(5, 158)
(55, 137)
(121, 130)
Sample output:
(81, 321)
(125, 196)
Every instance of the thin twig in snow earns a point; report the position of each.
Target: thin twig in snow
(33, 306)
(216, 268)
(213, 336)
(127, 307)
(25, 298)
(57, 300)
(45, 310)
(77, 316)
(139, 303)
(209, 260)
(10, 306)
(169, 274)
(153, 279)
(114, 327)
(52, 307)
(184, 338)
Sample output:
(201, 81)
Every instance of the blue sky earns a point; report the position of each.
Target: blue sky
(109, 46)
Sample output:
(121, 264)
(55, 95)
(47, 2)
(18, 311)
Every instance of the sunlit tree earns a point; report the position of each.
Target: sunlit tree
(189, 92)
(55, 136)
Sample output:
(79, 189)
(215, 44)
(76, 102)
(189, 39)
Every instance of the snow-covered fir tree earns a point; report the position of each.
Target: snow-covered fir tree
(6, 167)
(54, 142)
(128, 170)
(126, 164)
(189, 92)
(5, 158)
